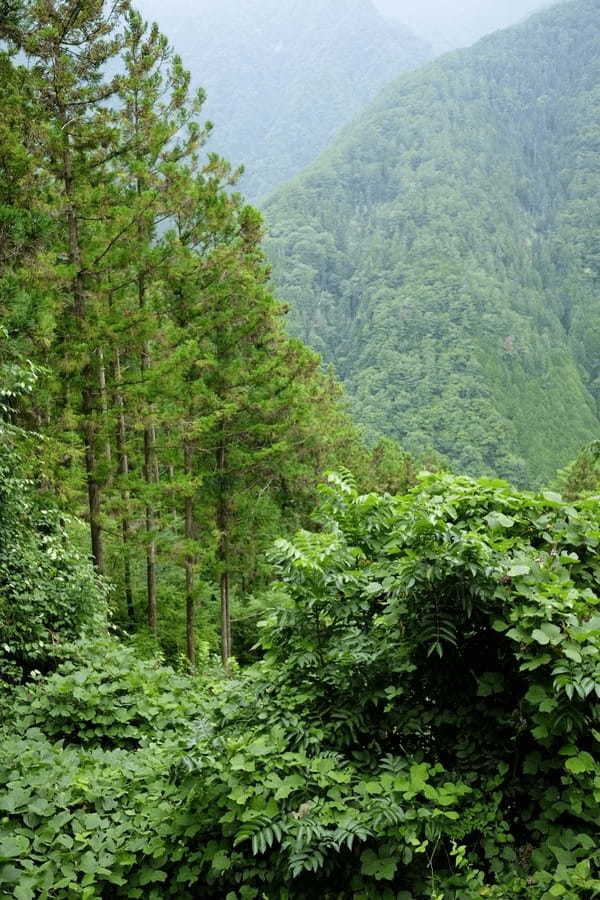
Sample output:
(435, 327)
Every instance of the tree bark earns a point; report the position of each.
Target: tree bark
(150, 524)
(104, 403)
(190, 607)
(150, 477)
(124, 472)
(225, 619)
(89, 430)
(223, 555)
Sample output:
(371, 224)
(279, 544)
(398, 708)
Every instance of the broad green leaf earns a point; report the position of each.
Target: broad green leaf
(583, 762)
(499, 519)
(13, 847)
(382, 868)
(540, 636)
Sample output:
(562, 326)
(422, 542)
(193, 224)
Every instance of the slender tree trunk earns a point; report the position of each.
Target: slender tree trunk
(223, 555)
(172, 491)
(190, 607)
(225, 619)
(104, 404)
(150, 522)
(150, 467)
(155, 471)
(150, 474)
(150, 461)
(89, 429)
(93, 487)
(126, 499)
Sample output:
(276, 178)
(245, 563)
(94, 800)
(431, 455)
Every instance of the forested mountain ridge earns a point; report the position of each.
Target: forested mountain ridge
(282, 77)
(443, 254)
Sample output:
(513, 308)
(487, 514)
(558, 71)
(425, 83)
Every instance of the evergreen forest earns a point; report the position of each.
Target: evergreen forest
(300, 508)
(443, 253)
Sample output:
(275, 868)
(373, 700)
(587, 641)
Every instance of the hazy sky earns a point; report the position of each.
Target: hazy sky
(444, 23)
(454, 22)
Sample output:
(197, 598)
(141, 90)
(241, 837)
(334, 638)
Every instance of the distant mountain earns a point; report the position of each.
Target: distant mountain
(283, 76)
(444, 253)
(448, 26)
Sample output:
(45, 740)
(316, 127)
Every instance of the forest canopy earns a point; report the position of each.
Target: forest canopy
(442, 253)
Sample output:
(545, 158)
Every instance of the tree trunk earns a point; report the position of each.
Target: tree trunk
(225, 619)
(124, 472)
(93, 488)
(150, 539)
(190, 610)
(150, 477)
(89, 430)
(223, 555)
(104, 404)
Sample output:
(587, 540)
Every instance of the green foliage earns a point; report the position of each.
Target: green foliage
(108, 697)
(424, 718)
(442, 253)
(88, 804)
(83, 823)
(48, 591)
(177, 417)
(392, 470)
(425, 723)
(414, 626)
(581, 477)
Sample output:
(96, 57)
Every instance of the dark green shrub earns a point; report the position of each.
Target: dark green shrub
(48, 590)
(426, 721)
(84, 823)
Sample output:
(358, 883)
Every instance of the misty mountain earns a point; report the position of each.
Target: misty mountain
(282, 76)
(443, 254)
(447, 26)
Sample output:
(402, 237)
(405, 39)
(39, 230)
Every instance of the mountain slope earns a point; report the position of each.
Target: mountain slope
(282, 76)
(443, 254)
(460, 23)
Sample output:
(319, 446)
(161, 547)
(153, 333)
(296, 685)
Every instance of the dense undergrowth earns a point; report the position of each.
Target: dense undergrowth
(422, 722)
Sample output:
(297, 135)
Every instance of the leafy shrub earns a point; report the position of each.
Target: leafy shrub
(109, 698)
(84, 823)
(88, 805)
(452, 636)
(48, 590)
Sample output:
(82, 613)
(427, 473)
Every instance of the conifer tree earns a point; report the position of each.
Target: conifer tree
(171, 391)
(248, 395)
(159, 119)
(70, 44)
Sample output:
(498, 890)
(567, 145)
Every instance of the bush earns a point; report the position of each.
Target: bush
(48, 590)
(89, 806)
(84, 823)
(109, 698)
(434, 686)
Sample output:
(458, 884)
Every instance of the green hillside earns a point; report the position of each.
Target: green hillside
(444, 254)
